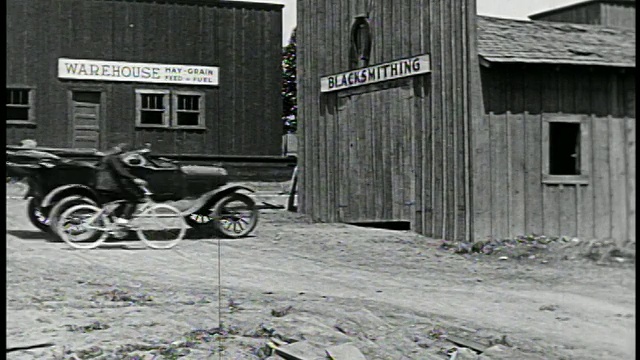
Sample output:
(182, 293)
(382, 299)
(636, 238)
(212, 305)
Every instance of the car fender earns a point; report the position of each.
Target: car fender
(68, 190)
(210, 198)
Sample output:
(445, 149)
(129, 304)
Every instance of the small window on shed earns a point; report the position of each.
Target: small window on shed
(20, 105)
(564, 143)
(188, 109)
(564, 148)
(360, 44)
(152, 108)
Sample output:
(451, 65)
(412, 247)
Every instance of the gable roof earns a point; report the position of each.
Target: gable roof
(544, 42)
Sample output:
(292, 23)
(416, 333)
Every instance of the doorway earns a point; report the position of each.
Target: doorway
(85, 110)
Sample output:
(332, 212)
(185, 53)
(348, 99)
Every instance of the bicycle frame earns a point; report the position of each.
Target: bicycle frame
(109, 207)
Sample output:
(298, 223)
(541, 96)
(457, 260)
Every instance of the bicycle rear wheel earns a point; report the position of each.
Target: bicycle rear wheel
(80, 226)
(160, 227)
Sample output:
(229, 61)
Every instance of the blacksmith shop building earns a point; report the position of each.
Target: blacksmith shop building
(187, 76)
(466, 127)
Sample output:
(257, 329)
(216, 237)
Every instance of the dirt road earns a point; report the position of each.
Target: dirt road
(390, 293)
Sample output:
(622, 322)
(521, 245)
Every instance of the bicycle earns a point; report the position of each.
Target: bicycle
(87, 226)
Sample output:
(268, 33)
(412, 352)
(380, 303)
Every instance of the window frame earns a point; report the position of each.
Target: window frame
(585, 144)
(175, 111)
(166, 113)
(32, 105)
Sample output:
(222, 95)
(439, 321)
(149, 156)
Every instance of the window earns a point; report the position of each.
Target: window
(154, 109)
(564, 141)
(20, 105)
(188, 110)
(360, 51)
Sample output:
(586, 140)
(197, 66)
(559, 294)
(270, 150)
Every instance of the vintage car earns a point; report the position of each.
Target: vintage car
(57, 184)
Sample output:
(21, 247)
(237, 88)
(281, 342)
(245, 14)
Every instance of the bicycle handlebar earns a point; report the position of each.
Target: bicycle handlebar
(146, 191)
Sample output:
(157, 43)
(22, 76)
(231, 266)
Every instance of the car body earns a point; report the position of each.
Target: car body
(53, 179)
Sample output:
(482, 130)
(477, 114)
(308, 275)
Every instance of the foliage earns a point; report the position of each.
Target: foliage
(289, 92)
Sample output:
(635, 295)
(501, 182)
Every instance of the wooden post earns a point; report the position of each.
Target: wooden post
(293, 190)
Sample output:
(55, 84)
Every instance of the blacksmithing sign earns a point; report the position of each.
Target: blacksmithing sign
(377, 73)
(137, 72)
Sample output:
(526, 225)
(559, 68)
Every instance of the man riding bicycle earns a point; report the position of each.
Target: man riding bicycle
(118, 183)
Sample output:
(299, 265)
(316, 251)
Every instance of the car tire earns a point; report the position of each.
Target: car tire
(221, 226)
(60, 207)
(36, 215)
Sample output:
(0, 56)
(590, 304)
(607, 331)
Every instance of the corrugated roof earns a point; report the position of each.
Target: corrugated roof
(519, 41)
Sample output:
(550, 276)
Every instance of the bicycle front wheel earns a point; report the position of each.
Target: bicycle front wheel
(81, 226)
(161, 226)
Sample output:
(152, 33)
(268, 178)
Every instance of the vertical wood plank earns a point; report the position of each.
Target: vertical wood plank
(630, 132)
(533, 170)
(618, 177)
(481, 177)
(499, 178)
(551, 211)
(568, 214)
(601, 182)
(517, 138)
(586, 193)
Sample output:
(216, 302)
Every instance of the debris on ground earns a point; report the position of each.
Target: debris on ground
(464, 354)
(539, 247)
(345, 351)
(550, 307)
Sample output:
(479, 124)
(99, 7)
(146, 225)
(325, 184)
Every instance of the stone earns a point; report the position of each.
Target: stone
(498, 352)
(464, 354)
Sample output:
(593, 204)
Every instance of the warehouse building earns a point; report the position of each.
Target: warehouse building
(188, 76)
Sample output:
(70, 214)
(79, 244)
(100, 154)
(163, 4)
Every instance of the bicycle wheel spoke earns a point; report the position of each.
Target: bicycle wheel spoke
(161, 226)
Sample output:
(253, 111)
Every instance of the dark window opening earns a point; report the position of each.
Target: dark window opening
(151, 117)
(153, 102)
(188, 110)
(564, 148)
(18, 104)
(188, 119)
(152, 110)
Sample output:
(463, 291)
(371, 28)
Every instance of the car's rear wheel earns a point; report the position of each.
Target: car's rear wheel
(37, 216)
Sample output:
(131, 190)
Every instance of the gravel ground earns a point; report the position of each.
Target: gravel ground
(393, 294)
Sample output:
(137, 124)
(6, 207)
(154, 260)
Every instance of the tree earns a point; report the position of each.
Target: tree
(289, 92)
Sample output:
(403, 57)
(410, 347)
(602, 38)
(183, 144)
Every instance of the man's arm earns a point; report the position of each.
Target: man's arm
(118, 167)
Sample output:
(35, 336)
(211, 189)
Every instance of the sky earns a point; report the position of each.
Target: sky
(515, 9)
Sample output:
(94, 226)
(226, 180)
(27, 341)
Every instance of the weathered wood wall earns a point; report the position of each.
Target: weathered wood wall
(606, 13)
(516, 201)
(619, 15)
(393, 151)
(243, 39)
(584, 14)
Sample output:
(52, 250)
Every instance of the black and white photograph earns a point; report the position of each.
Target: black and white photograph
(321, 179)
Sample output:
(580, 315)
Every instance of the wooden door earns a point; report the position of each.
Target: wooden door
(376, 157)
(85, 117)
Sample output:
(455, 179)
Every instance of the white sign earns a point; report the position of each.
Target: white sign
(137, 72)
(382, 72)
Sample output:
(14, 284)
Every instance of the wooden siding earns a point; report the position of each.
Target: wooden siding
(518, 203)
(242, 114)
(618, 15)
(583, 14)
(396, 150)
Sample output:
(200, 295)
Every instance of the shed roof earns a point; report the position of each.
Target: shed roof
(543, 42)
